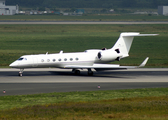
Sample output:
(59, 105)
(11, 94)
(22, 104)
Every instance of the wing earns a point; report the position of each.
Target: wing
(101, 67)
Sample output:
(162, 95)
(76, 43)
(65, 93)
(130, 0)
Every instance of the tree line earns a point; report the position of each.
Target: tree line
(88, 3)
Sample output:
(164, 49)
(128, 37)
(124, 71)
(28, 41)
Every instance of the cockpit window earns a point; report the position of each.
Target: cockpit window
(20, 58)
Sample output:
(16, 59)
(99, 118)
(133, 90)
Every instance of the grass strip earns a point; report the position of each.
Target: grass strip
(151, 103)
(18, 40)
(86, 17)
(8, 102)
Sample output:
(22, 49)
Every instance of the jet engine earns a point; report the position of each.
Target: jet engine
(109, 55)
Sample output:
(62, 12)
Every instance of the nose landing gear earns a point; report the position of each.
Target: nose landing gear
(20, 73)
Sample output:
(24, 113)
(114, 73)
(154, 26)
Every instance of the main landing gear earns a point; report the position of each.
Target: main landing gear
(90, 72)
(20, 73)
(77, 72)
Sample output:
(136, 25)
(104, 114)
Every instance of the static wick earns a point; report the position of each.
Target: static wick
(4, 91)
(98, 86)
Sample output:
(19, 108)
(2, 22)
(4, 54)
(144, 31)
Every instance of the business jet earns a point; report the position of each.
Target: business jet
(89, 59)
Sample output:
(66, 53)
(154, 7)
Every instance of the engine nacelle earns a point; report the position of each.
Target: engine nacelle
(108, 55)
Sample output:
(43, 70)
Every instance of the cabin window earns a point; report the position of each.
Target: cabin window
(65, 59)
(77, 58)
(48, 60)
(59, 59)
(71, 59)
(54, 60)
(42, 60)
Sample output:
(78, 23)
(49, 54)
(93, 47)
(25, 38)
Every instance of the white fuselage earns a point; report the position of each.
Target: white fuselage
(60, 60)
(90, 59)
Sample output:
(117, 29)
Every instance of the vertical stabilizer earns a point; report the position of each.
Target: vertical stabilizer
(125, 40)
(124, 43)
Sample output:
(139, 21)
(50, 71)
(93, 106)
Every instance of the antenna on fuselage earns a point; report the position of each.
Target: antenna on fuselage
(46, 53)
(61, 52)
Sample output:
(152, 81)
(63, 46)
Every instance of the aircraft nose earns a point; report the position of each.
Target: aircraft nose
(14, 64)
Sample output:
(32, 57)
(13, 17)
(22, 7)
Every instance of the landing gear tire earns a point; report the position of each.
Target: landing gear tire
(77, 72)
(90, 72)
(20, 73)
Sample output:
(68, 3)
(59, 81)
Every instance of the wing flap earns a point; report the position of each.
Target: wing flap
(101, 67)
(93, 66)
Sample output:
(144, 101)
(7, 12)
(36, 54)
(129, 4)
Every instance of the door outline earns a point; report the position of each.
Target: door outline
(35, 62)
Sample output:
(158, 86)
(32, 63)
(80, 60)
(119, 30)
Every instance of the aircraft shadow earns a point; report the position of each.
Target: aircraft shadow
(111, 74)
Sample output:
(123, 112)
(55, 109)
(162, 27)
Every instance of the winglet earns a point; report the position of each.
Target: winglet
(144, 62)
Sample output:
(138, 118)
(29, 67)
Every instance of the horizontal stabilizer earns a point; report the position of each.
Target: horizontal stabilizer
(132, 35)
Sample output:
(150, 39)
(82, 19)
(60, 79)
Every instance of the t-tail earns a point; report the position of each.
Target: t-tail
(124, 42)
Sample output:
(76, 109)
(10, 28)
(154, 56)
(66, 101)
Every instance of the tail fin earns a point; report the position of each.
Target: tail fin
(124, 42)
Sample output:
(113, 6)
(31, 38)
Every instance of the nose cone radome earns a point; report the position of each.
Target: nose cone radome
(13, 65)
